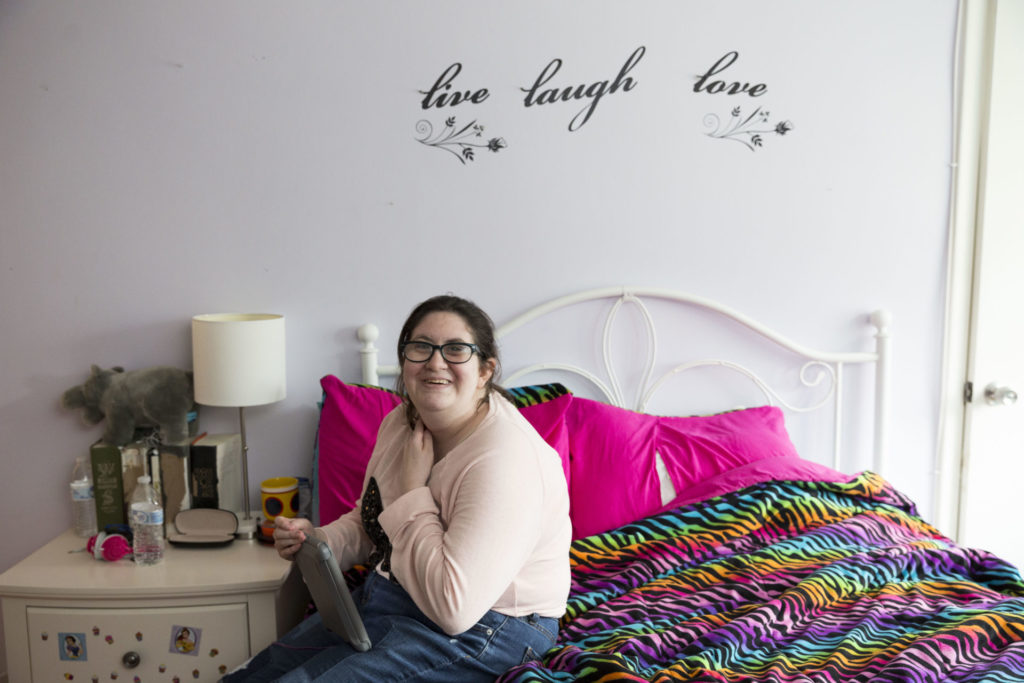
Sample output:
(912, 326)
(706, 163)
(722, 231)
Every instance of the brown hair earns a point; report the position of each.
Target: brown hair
(480, 326)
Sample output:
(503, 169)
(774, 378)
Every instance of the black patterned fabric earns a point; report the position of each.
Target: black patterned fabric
(371, 509)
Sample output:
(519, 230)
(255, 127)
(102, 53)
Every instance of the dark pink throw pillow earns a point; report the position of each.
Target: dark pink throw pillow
(612, 478)
(349, 419)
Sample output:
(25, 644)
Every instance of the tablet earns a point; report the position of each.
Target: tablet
(330, 593)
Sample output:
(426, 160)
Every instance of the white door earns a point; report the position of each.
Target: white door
(993, 465)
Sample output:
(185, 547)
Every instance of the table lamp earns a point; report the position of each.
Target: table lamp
(238, 360)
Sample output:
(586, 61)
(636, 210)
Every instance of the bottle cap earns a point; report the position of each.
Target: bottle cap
(144, 479)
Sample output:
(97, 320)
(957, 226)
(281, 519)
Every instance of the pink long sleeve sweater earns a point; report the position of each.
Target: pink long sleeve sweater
(490, 530)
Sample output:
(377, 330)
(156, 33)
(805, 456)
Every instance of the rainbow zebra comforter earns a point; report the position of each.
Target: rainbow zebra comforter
(787, 581)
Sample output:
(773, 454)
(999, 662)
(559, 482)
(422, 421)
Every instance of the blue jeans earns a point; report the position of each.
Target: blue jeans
(407, 646)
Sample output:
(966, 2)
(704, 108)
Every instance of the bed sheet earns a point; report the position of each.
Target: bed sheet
(787, 581)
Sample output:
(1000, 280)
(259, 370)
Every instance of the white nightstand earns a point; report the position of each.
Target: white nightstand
(199, 613)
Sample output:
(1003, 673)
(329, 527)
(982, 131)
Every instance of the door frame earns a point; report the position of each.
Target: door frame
(971, 99)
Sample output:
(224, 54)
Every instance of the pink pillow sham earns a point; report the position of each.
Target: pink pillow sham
(349, 419)
(612, 477)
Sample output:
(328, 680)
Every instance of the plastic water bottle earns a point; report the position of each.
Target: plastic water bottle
(83, 505)
(147, 522)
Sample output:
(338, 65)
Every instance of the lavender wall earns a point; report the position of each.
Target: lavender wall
(162, 160)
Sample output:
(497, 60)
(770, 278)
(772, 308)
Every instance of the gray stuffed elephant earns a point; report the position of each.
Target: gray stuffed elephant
(160, 397)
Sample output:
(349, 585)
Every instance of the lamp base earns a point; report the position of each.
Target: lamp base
(247, 527)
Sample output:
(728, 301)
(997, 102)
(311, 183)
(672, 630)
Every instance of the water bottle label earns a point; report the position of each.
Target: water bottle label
(145, 514)
(81, 492)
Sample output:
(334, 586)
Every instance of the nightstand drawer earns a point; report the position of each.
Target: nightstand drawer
(197, 643)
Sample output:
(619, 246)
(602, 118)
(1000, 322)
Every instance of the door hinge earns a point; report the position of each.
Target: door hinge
(968, 392)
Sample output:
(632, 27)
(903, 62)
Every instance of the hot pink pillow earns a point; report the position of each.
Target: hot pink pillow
(612, 478)
(350, 418)
(548, 419)
(695, 449)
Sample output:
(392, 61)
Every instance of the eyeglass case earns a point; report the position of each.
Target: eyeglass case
(204, 526)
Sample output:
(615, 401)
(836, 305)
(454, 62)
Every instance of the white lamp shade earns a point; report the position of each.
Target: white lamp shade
(238, 359)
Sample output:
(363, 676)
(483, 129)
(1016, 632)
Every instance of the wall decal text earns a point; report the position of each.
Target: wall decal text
(594, 91)
(443, 93)
(734, 88)
(439, 95)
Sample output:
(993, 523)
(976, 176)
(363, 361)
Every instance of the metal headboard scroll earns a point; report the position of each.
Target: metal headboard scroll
(822, 369)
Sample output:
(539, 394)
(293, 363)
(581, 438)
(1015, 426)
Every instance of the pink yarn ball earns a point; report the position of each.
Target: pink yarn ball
(115, 547)
(112, 547)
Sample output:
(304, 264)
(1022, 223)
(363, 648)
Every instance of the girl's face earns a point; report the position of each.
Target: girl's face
(440, 389)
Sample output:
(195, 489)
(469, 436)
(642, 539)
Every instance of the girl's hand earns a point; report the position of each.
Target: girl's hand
(289, 533)
(418, 460)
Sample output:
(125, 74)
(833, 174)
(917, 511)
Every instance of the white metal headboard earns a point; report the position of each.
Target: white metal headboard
(818, 366)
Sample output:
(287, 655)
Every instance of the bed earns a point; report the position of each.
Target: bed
(707, 545)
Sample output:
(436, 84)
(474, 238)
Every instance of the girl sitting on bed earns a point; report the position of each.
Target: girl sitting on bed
(464, 518)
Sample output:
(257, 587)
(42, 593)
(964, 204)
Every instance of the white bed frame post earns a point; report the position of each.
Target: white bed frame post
(883, 349)
(368, 334)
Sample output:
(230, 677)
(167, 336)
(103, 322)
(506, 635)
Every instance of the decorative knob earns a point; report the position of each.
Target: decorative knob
(131, 660)
(996, 395)
(368, 333)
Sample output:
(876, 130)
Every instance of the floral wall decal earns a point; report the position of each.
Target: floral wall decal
(749, 131)
(461, 142)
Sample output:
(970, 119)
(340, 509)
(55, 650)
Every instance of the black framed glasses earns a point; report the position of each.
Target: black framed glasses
(452, 352)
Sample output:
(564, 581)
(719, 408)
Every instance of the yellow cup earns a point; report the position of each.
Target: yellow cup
(279, 496)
